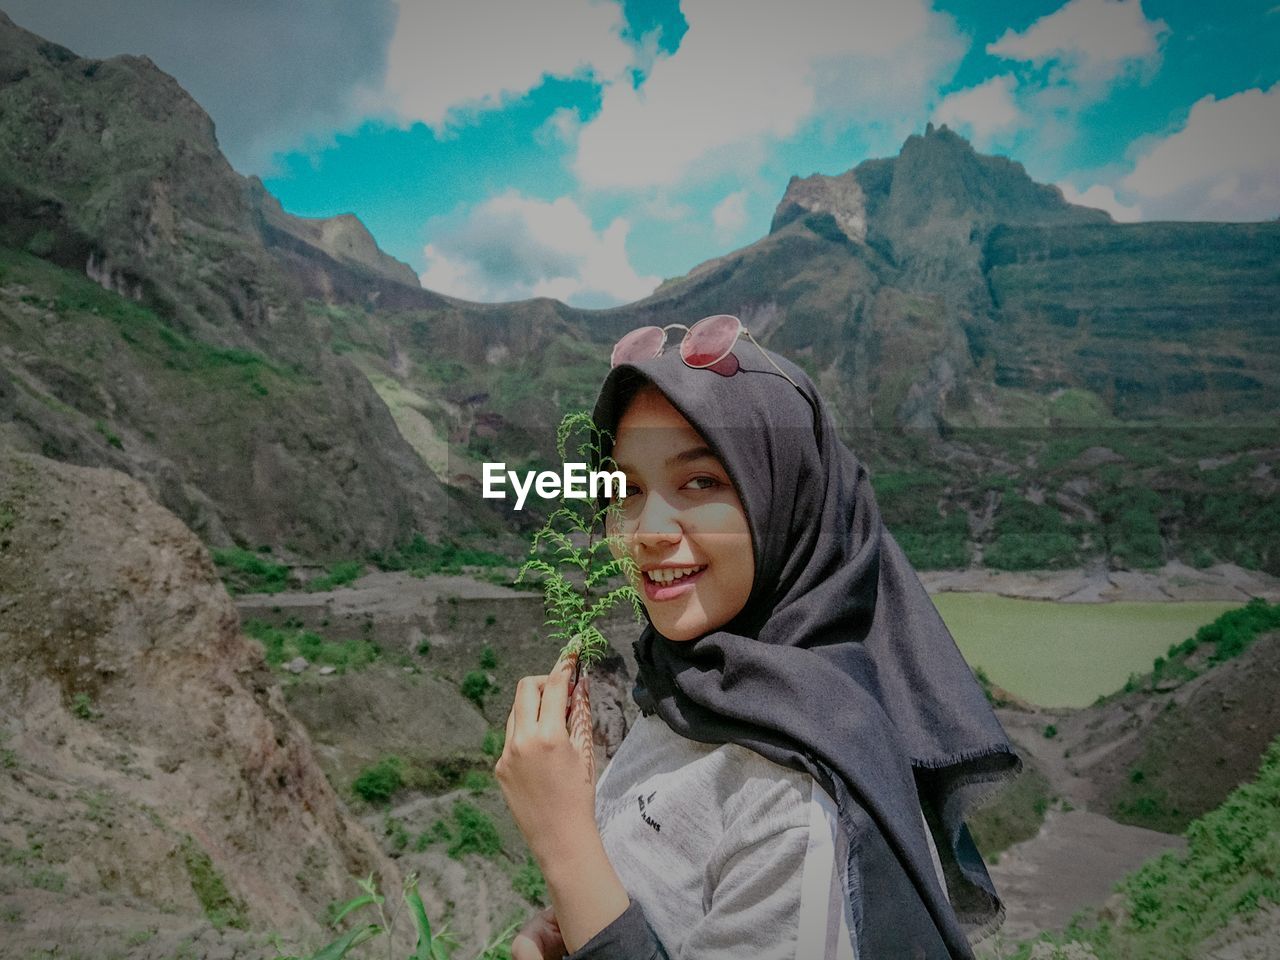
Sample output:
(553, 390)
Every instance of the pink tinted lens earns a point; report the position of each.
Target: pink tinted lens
(710, 339)
(642, 344)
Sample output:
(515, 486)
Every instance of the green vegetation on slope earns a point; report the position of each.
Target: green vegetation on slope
(282, 644)
(1013, 816)
(1228, 636)
(1177, 901)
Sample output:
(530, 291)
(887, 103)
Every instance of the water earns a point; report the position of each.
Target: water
(1067, 654)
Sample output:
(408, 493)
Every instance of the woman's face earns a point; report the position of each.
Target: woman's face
(681, 512)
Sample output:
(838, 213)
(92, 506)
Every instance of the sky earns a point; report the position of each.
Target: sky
(588, 149)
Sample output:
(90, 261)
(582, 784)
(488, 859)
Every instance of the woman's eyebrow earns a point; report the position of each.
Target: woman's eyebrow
(684, 456)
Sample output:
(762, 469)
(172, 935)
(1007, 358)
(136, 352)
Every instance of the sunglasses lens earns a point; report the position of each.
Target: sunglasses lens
(710, 339)
(642, 344)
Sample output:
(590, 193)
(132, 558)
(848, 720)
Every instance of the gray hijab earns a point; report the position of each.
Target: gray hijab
(838, 664)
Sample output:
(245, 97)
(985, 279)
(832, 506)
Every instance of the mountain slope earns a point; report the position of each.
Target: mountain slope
(943, 287)
(151, 778)
(206, 377)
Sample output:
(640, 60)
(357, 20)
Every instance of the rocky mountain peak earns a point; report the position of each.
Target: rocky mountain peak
(938, 175)
(937, 179)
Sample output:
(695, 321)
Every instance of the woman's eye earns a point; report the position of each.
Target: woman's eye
(710, 482)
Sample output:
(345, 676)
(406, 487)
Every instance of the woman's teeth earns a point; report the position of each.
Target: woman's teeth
(672, 573)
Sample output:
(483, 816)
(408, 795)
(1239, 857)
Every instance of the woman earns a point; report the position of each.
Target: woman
(812, 739)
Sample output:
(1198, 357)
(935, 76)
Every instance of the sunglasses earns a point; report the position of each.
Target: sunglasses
(704, 345)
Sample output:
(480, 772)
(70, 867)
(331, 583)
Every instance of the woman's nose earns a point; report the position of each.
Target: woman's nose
(658, 523)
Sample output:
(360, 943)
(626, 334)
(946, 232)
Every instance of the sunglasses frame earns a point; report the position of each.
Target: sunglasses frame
(742, 332)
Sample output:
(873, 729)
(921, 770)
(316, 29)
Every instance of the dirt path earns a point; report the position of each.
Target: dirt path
(1072, 863)
(1173, 581)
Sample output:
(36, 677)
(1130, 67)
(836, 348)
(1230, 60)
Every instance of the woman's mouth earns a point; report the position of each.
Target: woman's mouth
(669, 586)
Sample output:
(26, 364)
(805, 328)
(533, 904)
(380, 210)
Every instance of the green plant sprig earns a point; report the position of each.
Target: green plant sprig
(572, 609)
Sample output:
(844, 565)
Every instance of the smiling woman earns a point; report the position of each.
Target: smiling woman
(811, 739)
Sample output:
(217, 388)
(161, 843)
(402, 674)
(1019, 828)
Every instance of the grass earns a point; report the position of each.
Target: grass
(470, 831)
(475, 685)
(529, 882)
(378, 783)
(1229, 635)
(1014, 815)
(339, 575)
(222, 909)
(244, 571)
(282, 644)
(421, 558)
(1178, 900)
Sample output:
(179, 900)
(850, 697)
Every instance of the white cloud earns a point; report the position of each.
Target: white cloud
(1102, 198)
(513, 247)
(447, 58)
(563, 126)
(730, 215)
(748, 71)
(1090, 42)
(1224, 164)
(983, 111)
(659, 206)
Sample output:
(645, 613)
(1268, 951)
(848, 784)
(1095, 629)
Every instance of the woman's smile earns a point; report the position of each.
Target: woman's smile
(667, 582)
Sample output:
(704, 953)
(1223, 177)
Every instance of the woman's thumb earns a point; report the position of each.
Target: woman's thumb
(522, 948)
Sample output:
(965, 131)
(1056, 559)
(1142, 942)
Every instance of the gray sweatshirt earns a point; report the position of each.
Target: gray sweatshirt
(725, 855)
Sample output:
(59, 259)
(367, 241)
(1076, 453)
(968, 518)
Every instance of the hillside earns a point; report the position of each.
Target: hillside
(157, 796)
(1216, 900)
(1033, 386)
(197, 370)
(1124, 781)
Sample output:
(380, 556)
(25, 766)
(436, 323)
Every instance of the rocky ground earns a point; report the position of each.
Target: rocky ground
(156, 797)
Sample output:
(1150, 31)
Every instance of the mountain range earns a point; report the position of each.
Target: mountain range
(277, 380)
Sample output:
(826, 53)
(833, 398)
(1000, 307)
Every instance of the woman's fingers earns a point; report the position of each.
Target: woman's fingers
(539, 938)
(527, 700)
(555, 696)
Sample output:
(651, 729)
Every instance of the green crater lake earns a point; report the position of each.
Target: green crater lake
(1068, 654)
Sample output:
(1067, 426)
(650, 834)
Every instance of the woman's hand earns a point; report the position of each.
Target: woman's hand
(539, 938)
(547, 767)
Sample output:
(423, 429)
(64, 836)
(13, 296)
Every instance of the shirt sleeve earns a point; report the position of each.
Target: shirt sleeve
(763, 899)
(629, 937)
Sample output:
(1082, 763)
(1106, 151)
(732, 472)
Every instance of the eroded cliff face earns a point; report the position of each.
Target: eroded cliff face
(213, 377)
(152, 778)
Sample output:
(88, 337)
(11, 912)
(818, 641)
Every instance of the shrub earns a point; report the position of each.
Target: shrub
(475, 832)
(474, 686)
(339, 575)
(82, 707)
(529, 882)
(494, 740)
(488, 659)
(477, 782)
(377, 783)
(437, 833)
(395, 829)
(419, 557)
(1050, 731)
